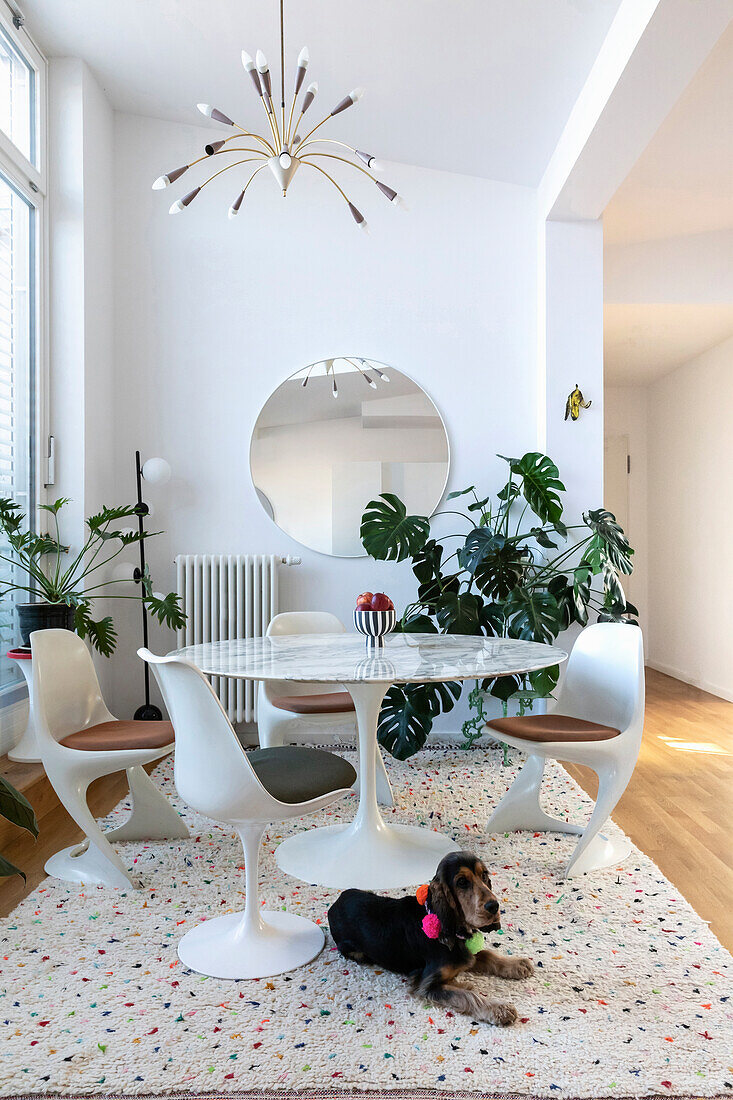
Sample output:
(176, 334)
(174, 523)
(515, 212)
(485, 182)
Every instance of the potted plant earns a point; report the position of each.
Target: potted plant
(16, 808)
(518, 571)
(65, 590)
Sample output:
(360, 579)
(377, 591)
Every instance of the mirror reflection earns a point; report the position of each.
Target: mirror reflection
(334, 436)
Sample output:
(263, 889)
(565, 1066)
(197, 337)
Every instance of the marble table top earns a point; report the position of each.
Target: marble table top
(343, 659)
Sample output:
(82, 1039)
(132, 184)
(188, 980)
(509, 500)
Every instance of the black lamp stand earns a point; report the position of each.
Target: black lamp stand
(148, 712)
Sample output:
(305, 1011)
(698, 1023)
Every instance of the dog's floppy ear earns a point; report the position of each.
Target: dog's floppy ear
(442, 903)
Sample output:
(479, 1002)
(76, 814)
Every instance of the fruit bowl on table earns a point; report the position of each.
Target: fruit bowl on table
(374, 625)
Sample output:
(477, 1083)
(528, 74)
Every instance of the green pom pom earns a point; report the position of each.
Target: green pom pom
(475, 943)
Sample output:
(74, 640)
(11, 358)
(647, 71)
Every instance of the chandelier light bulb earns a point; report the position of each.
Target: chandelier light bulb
(348, 101)
(388, 192)
(310, 94)
(169, 178)
(234, 208)
(285, 159)
(334, 387)
(251, 68)
(181, 204)
(303, 59)
(371, 162)
(264, 71)
(214, 113)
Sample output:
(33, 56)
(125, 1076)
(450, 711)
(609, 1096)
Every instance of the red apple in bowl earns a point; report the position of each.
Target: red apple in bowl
(364, 601)
(381, 602)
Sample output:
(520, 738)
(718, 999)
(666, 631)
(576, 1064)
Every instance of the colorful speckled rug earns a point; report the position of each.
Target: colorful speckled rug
(632, 994)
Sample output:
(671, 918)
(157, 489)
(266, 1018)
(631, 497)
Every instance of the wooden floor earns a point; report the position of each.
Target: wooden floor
(678, 807)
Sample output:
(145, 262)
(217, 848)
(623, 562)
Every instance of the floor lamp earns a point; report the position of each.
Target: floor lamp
(155, 471)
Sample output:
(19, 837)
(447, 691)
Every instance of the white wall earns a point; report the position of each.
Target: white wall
(211, 315)
(690, 449)
(625, 412)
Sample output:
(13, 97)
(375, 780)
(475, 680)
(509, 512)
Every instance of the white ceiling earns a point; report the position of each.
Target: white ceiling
(643, 342)
(683, 181)
(681, 185)
(482, 87)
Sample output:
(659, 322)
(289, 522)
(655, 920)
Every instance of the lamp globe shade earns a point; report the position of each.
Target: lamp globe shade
(123, 571)
(156, 471)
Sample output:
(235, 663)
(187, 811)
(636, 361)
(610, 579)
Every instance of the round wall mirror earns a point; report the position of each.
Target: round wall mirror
(334, 436)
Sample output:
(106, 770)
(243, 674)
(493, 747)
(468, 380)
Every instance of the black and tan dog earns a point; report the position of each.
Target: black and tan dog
(389, 933)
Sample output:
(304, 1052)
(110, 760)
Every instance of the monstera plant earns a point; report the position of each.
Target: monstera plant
(515, 571)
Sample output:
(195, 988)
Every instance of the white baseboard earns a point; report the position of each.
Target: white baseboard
(694, 681)
(12, 724)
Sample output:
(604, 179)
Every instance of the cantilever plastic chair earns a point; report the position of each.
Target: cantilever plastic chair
(288, 712)
(79, 741)
(218, 778)
(598, 721)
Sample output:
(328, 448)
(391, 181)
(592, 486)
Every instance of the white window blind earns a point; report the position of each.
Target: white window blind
(16, 385)
(22, 187)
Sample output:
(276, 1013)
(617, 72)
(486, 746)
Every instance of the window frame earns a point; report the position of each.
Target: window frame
(30, 182)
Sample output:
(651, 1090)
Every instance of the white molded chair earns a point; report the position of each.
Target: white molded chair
(288, 712)
(79, 741)
(598, 721)
(218, 778)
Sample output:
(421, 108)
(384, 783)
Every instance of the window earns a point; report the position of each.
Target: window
(22, 176)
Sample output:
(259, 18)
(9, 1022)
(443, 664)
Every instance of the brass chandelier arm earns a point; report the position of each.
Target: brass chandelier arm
(327, 141)
(333, 181)
(255, 137)
(256, 171)
(332, 156)
(317, 127)
(290, 122)
(228, 168)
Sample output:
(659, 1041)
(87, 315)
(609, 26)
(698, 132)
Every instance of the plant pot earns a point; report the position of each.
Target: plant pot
(43, 616)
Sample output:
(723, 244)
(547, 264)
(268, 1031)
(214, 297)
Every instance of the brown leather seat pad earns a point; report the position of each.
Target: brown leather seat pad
(553, 727)
(109, 736)
(334, 702)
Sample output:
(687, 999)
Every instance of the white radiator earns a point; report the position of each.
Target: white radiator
(228, 596)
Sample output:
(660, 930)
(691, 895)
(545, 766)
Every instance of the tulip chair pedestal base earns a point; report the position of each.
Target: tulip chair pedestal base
(368, 855)
(231, 947)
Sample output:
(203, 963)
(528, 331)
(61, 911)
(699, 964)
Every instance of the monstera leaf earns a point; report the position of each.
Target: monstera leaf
(460, 613)
(427, 566)
(496, 563)
(416, 624)
(408, 712)
(540, 484)
(608, 543)
(388, 533)
(533, 614)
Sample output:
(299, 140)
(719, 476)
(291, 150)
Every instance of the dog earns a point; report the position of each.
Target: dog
(428, 942)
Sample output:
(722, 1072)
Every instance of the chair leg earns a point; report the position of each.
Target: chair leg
(253, 944)
(594, 850)
(152, 816)
(94, 861)
(520, 806)
(270, 737)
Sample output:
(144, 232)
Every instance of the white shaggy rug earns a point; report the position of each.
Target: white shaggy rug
(632, 994)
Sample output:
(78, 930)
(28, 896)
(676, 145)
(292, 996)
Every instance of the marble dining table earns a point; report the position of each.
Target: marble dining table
(369, 852)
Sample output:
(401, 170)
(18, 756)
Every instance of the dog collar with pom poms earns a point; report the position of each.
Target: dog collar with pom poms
(431, 925)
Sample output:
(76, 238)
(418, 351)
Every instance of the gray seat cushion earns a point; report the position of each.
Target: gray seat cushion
(293, 773)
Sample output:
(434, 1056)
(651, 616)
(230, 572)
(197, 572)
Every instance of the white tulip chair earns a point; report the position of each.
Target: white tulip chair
(598, 721)
(79, 740)
(245, 790)
(288, 712)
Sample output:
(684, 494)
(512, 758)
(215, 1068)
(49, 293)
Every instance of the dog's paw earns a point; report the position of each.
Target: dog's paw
(518, 969)
(501, 1015)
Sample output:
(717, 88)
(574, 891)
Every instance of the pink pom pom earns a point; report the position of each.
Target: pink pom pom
(431, 926)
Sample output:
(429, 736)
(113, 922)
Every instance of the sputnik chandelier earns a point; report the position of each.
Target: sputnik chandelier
(331, 368)
(283, 150)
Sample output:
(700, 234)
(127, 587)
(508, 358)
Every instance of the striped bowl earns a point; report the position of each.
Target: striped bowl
(374, 625)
